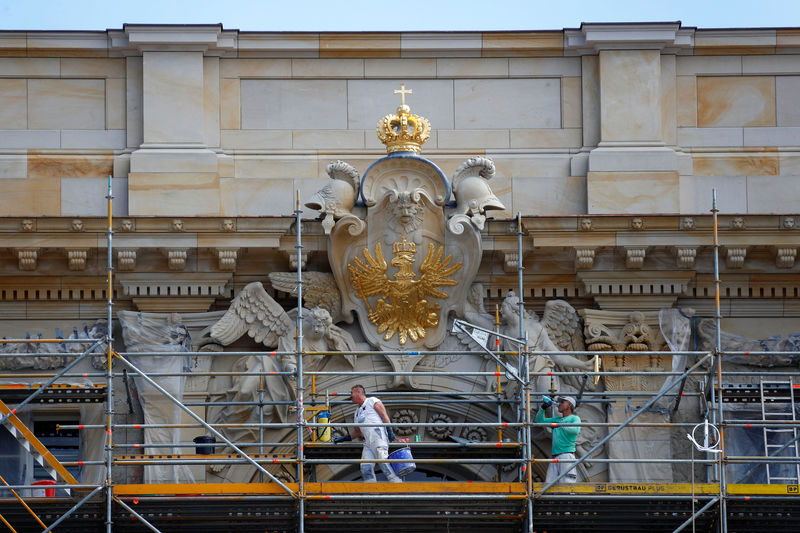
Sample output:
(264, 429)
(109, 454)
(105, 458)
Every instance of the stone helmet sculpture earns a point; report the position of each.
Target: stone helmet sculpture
(338, 197)
(474, 196)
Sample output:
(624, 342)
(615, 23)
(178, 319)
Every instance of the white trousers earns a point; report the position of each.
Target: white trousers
(376, 446)
(565, 460)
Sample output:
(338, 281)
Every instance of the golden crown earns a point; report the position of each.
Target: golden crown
(404, 247)
(403, 132)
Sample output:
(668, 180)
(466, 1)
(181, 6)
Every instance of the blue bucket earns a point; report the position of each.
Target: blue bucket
(402, 469)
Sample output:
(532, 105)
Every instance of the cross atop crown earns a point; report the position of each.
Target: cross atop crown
(402, 91)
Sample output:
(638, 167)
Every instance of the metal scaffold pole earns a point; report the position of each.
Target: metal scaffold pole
(300, 407)
(109, 357)
(723, 519)
(524, 355)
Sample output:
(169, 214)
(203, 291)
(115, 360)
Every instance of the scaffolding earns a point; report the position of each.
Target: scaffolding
(516, 499)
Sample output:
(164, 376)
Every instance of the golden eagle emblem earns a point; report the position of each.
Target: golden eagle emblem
(403, 307)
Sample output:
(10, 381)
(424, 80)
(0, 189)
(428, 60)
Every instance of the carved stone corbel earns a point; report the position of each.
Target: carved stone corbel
(584, 258)
(77, 258)
(126, 259)
(27, 258)
(685, 256)
(785, 257)
(227, 258)
(176, 257)
(510, 262)
(735, 256)
(634, 256)
(292, 256)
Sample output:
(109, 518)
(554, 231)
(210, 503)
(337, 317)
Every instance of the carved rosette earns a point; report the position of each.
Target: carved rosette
(477, 434)
(440, 432)
(405, 416)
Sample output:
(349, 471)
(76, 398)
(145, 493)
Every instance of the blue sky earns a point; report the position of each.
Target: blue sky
(380, 15)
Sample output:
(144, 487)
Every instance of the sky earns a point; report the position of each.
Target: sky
(398, 15)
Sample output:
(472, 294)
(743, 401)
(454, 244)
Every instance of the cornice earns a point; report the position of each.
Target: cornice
(592, 38)
(210, 39)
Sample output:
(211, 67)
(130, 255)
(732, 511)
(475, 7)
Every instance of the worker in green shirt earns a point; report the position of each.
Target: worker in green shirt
(563, 438)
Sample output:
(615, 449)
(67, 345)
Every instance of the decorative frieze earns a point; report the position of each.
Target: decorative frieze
(176, 257)
(76, 258)
(510, 262)
(634, 256)
(27, 258)
(685, 256)
(166, 293)
(785, 257)
(164, 284)
(126, 259)
(292, 256)
(735, 256)
(227, 258)
(584, 258)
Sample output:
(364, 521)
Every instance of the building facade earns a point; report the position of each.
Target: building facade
(605, 144)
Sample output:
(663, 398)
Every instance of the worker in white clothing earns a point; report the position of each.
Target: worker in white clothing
(376, 438)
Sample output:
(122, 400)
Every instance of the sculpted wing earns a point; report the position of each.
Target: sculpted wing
(319, 290)
(254, 312)
(436, 272)
(369, 278)
(563, 325)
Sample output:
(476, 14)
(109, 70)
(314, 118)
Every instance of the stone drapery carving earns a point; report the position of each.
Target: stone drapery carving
(159, 332)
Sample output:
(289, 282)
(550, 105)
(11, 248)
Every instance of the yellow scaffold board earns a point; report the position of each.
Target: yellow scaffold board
(321, 490)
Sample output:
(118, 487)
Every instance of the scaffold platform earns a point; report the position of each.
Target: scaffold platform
(55, 393)
(421, 507)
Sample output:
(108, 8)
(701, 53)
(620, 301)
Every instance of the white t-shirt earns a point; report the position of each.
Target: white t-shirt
(366, 413)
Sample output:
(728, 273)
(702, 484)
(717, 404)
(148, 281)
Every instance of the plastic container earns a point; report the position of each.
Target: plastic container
(403, 469)
(43, 492)
(204, 439)
(324, 432)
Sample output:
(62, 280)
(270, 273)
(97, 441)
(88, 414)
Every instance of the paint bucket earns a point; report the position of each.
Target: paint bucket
(44, 492)
(204, 439)
(403, 469)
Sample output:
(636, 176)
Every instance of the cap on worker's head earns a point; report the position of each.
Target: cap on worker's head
(570, 399)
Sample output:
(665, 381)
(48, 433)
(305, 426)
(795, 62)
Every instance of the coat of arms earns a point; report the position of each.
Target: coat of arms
(404, 307)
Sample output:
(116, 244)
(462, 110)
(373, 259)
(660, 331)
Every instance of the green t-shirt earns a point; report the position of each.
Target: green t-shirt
(563, 436)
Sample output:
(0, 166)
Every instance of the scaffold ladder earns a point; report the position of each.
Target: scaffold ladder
(777, 437)
(34, 446)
